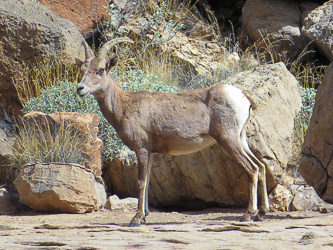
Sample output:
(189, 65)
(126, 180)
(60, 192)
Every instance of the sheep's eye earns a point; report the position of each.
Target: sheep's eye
(100, 71)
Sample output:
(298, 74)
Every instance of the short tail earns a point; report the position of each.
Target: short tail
(253, 105)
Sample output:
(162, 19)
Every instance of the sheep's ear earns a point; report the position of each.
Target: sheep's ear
(78, 62)
(111, 63)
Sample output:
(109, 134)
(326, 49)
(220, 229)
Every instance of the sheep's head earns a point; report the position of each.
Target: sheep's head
(95, 70)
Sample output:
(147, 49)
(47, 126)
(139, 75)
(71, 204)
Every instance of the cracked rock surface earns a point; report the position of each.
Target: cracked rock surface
(208, 229)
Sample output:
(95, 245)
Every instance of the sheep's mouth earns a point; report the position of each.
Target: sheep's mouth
(82, 95)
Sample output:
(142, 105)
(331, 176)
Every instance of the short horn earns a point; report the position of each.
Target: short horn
(86, 50)
(108, 45)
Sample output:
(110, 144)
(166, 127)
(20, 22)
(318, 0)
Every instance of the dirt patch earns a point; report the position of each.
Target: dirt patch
(212, 229)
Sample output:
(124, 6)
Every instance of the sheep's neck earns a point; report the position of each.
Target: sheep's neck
(111, 103)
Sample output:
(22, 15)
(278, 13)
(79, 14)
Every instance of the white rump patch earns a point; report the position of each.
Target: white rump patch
(239, 102)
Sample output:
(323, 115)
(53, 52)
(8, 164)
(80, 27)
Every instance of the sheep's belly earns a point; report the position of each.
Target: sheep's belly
(181, 146)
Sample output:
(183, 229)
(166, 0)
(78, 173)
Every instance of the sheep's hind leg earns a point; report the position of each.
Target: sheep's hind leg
(262, 188)
(234, 148)
(252, 207)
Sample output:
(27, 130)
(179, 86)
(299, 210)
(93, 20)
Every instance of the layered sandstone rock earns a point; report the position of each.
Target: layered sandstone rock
(59, 187)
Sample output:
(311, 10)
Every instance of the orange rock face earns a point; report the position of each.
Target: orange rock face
(83, 13)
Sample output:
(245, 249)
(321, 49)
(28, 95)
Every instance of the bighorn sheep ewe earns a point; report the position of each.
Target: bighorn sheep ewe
(174, 124)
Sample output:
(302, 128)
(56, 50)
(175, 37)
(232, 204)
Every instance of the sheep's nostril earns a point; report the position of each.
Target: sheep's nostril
(79, 89)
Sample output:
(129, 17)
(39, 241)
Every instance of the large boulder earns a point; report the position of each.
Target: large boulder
(318, 26)
(27, 32)
(316, 164)
(59, 187)
(277, 21)
(86, 126)
(306, 199)
(209, 176)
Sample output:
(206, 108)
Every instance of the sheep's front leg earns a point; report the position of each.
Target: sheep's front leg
(144, 169)
(147, 185)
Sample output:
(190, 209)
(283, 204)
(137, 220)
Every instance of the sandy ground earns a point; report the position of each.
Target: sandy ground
(208, 229)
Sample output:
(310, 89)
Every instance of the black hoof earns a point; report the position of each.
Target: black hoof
(134, 224)
(254, 212)
(258, 218)
(266, 210)
(243, 219)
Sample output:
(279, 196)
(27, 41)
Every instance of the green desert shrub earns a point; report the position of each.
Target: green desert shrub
(301, 126)
(303, 118)
(63, 98)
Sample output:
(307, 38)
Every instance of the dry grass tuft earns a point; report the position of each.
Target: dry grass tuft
(44, 73)
(43, 142)
(308, 75)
